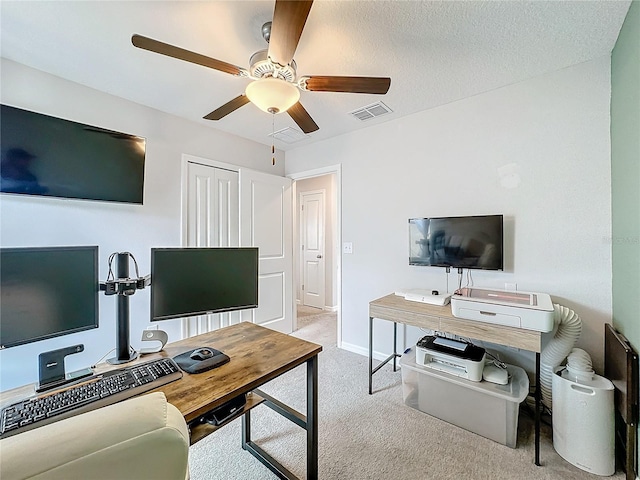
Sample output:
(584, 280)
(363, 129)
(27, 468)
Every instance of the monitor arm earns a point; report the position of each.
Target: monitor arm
(124, 287)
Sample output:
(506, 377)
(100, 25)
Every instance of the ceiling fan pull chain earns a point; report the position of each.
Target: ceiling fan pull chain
(273, 132)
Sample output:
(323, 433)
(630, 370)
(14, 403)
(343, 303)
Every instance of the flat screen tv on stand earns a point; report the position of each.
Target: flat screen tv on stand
(46, 292)
(196, 281)
(187, 282)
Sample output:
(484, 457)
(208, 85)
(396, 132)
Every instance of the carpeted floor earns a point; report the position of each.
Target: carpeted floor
(365, 436)
(305, 311)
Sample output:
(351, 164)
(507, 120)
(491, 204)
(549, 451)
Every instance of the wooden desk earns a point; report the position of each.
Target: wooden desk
(396, 309)
(257, 355)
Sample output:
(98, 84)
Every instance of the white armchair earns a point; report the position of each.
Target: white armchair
(141, 438)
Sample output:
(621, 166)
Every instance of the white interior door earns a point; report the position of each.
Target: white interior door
(312, 244)
(266, 223)
(212, 221)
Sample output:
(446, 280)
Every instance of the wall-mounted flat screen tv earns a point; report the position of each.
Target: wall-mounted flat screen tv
(48, 156)
(459, 242)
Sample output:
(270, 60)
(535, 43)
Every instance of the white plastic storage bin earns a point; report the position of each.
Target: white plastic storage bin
(484, 408)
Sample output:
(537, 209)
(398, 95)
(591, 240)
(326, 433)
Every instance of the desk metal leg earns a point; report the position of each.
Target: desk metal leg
(246, 429)
(312, 418)
(308, 422)
(395, 343)
(370, 354)
(537, 413)
(393, 356)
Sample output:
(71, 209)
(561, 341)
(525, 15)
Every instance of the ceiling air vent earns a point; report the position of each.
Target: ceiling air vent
(371, 111)
(288, 135)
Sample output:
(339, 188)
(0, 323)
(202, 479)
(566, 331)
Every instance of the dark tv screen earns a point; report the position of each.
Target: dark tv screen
(460, 242)
(48, 156)
(47, 292)
(196, 281)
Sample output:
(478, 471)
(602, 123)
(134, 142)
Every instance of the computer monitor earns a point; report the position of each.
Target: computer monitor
(195, 281)
(46, 292)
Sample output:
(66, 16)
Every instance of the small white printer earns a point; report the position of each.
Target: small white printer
(452, 356)
(531, 311)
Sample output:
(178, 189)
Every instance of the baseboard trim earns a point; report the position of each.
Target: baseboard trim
(326, 308)
(363, 351)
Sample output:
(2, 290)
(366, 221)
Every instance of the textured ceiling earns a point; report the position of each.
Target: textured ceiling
(434, 52)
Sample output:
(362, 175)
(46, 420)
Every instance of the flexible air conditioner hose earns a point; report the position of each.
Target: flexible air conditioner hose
(567, 330)
(579, 366)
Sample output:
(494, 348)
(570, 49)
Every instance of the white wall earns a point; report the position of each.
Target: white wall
(113, 227)
(537, 152)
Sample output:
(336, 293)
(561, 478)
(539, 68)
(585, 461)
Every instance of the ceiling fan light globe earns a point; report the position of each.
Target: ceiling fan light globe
(272, 95)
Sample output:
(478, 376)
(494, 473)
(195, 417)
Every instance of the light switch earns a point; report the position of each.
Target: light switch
(347, 247)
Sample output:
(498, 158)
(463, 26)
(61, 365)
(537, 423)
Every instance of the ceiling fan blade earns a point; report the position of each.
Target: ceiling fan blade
(302, 118)
(228, 107)
(376, 85)
(289, 18)
(182, 54)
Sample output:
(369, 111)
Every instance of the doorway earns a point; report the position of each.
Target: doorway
(317, 245)
(313, 235)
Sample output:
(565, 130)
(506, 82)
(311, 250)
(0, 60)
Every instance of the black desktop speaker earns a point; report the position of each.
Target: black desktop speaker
(192, 365)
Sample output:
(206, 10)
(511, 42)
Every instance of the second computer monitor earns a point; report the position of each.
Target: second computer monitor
(195, 281)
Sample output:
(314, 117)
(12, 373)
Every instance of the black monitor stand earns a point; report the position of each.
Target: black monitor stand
(124, 352)
(123, 287)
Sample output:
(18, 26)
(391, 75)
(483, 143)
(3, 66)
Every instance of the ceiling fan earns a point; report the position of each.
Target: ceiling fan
(275, 86)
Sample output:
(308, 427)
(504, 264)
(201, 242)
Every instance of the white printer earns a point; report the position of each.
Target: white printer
(452, 356)
(531, 311)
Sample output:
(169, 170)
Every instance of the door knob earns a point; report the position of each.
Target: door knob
(319, 256)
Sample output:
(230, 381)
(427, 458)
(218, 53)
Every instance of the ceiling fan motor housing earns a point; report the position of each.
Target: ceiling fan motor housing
(261, 66)
(266, 31)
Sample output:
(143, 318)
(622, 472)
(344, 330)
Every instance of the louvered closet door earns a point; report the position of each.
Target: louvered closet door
(213, 221)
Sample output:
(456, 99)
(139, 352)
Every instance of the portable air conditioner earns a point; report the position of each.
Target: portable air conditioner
(583, 422)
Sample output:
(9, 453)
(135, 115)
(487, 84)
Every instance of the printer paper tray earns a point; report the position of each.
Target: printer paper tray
(457, 371)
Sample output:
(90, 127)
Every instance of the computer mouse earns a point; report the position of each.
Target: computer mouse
(201, 354)
(494, 374)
